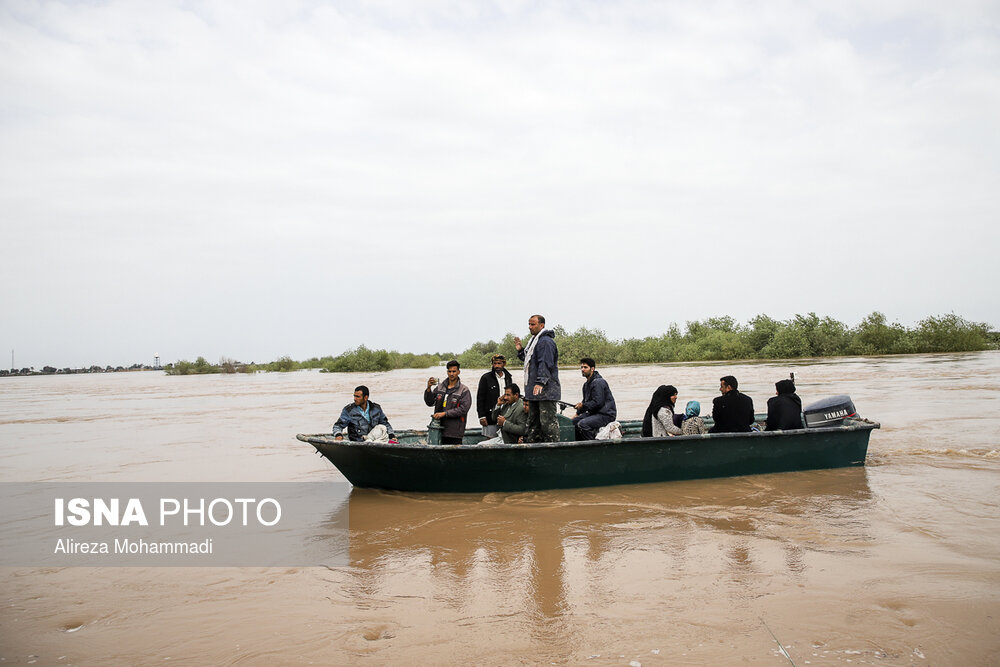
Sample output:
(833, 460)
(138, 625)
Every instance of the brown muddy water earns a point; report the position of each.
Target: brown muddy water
(897, 563)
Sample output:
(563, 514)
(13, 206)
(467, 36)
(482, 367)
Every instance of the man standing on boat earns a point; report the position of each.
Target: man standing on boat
(733, 411)
(541, 381)
(361, 417)
(491, 387)
(510, 416)
(598, 405)
(451, 400)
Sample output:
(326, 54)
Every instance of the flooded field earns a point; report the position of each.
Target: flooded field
(897, 563)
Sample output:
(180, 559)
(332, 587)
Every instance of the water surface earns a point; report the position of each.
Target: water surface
(892, 564)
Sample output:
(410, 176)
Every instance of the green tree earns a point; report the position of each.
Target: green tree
(722, 344)
(361, 359)
(759, 332)
(585, 342)
(951, 333)
(182, 367)
(874, 336)
(789, 342)
(829, 338)
(284, 364)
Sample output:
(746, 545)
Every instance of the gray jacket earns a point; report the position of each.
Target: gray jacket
(516, 422)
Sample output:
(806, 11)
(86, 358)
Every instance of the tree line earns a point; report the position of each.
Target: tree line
(712, 339)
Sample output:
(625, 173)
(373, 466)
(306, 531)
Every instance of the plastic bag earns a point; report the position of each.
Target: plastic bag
(612, 431)
(379, 433)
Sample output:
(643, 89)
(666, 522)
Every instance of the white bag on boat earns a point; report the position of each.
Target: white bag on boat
(492, 441)
(378, 434)
(612, 431)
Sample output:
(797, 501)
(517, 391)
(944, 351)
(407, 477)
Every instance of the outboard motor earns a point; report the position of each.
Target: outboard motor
(829, 411)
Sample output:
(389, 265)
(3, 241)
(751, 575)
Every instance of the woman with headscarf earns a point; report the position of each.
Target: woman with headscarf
(659, 418)
(784, 409)
(693, 424)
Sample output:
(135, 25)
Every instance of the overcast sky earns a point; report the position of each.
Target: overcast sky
(254, 179)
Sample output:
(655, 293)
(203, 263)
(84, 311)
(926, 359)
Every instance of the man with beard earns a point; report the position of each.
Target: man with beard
(541, 381)
(491, 387)
(510, 416)
(733, 411)
(359, 418)
(598, 405)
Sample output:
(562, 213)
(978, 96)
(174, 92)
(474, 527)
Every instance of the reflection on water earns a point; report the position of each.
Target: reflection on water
(565, 547)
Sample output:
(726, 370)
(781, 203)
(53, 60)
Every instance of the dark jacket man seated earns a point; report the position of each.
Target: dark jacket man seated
(360, 417)
(733, 411)
(598, 405)
(510, 416)
(784, 411)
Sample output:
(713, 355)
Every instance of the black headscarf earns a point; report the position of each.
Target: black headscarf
(785, 386)
(661, 398)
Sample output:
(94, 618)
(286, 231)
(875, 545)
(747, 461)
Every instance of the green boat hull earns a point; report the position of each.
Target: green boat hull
(411, 466)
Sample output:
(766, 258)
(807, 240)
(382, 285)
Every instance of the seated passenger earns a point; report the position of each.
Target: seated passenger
(597, 408)
(527, 412)
(784, 410)
(658, 421)
(733, 411)
(693, 424)
(360, 417)
(509, 415)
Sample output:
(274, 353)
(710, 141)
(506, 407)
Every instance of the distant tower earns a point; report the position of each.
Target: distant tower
(156, 360)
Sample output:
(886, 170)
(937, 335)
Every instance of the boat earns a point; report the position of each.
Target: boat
(417, 463)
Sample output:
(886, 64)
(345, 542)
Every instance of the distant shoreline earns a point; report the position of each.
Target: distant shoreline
(513, 367)
(716, 339)
(51, 370)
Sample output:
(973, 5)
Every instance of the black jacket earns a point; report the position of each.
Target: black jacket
(784, 412)
(488, 393)
(732, 412)
(597, 398)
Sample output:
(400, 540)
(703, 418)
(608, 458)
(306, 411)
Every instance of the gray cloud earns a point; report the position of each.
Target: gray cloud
(298, 178)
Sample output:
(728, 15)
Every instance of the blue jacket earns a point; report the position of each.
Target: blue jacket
(597, 398)
(353, 419)
(543, 369)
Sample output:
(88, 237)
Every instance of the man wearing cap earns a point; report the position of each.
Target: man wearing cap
(491, 386)
(784, 409)
(733, 411)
